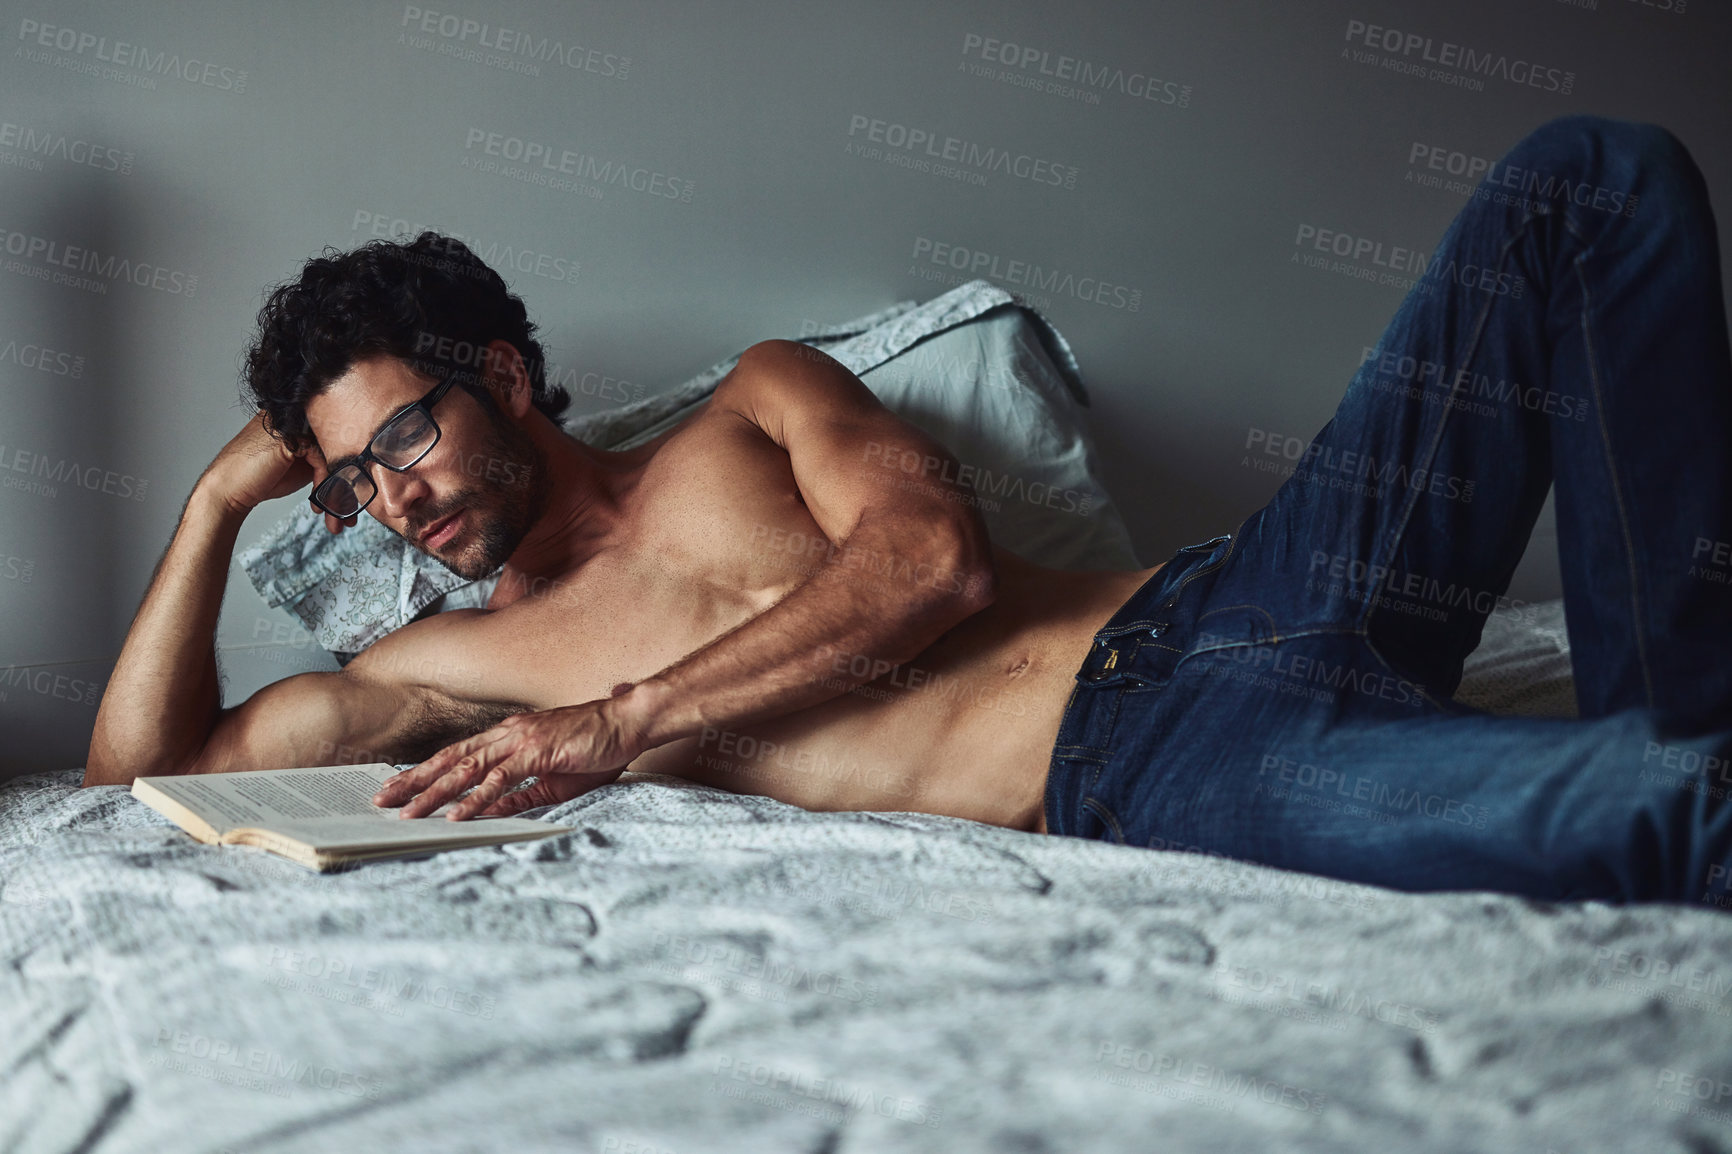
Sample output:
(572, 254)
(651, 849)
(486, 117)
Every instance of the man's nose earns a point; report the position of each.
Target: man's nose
(399, 492)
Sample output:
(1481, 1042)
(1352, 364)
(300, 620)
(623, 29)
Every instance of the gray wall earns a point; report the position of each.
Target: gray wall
(215, 146)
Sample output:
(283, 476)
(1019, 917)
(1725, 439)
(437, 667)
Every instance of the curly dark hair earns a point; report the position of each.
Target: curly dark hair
(430, 302)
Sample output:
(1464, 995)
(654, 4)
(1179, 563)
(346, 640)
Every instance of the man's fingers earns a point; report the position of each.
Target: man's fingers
(442, 778)
(516, 801)
(493, 786)
(455, 780)
(410, 782)
(547, 791)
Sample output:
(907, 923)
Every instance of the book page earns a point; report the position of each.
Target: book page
(270, 797)
(330, 808)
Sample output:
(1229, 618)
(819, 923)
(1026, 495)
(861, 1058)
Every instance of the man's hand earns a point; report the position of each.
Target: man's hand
(572, 750)
(256, 467)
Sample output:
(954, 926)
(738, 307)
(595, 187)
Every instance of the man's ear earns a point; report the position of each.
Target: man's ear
(507, 378)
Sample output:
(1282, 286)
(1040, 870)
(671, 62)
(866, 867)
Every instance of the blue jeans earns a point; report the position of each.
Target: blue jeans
(1282, 694)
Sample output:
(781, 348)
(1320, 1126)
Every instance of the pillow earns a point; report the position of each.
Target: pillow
(989, 392)
(990, 379)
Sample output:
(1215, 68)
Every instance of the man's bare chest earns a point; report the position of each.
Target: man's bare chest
(714, 534)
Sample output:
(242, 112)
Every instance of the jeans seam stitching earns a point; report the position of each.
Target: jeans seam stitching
(1107, 815)
(1473, 344)
(1317, 631)
(1244, 605)
(1617, 490)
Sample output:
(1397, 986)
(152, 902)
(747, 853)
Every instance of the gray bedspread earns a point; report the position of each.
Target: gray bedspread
(692, 971)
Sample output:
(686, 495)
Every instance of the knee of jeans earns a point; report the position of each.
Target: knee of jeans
(1624, 157)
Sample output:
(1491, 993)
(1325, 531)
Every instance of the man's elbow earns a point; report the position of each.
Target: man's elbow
(969, 577)
(941, 571)
(979, 586)
(102, 764)
(105, 766)
(99, 770)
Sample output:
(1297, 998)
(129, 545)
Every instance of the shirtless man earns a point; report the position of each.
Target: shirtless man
(676, 614)
(1281, 694)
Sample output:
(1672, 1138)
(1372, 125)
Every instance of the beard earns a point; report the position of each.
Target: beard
(499, 516)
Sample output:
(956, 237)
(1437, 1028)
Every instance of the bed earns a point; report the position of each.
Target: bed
(692, 971)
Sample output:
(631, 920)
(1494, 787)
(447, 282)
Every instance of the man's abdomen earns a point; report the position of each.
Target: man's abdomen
(964, 729)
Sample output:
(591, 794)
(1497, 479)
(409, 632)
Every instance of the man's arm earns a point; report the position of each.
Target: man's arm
(162, 714)
(906, 564)
(163, 696)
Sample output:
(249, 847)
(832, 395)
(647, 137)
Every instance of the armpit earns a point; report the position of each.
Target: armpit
(438, 720)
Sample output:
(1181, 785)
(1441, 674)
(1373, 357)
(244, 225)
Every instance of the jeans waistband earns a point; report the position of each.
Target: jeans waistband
(1152, 627)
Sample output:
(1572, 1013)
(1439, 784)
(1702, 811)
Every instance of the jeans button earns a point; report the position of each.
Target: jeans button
(1157, 629)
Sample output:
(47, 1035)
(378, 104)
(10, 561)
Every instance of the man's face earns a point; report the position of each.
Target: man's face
(469, 502)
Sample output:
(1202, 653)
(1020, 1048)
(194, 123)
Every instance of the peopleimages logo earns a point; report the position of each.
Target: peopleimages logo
(33, 144)
(1071, 76)
(1528, 187)
(1349, 469)
(48, 683)
(254, 1066)
(978, 478)
(37, 35)
(494, 254)
(852, 1097)
(62, 471)
(1465, 389)
(522, 48)
(1410, 52)
(542, 162)
(976, 262)
(967, 153)
(42, 252)
(1392, 264)
(42, 359)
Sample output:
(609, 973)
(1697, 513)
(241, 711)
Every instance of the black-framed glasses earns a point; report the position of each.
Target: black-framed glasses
(404, 440)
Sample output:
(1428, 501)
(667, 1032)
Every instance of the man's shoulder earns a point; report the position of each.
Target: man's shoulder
(777, 377)
(437, 652)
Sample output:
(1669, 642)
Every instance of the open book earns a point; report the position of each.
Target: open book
(320, 818)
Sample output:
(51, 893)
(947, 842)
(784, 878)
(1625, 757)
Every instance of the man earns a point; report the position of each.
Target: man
(1281, 694)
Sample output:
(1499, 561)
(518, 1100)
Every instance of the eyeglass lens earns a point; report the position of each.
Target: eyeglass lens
(399, 444)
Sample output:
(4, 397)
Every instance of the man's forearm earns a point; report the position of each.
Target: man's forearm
(164, 695)
(876, 596)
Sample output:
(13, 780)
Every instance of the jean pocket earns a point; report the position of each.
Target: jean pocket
(1107, 818)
